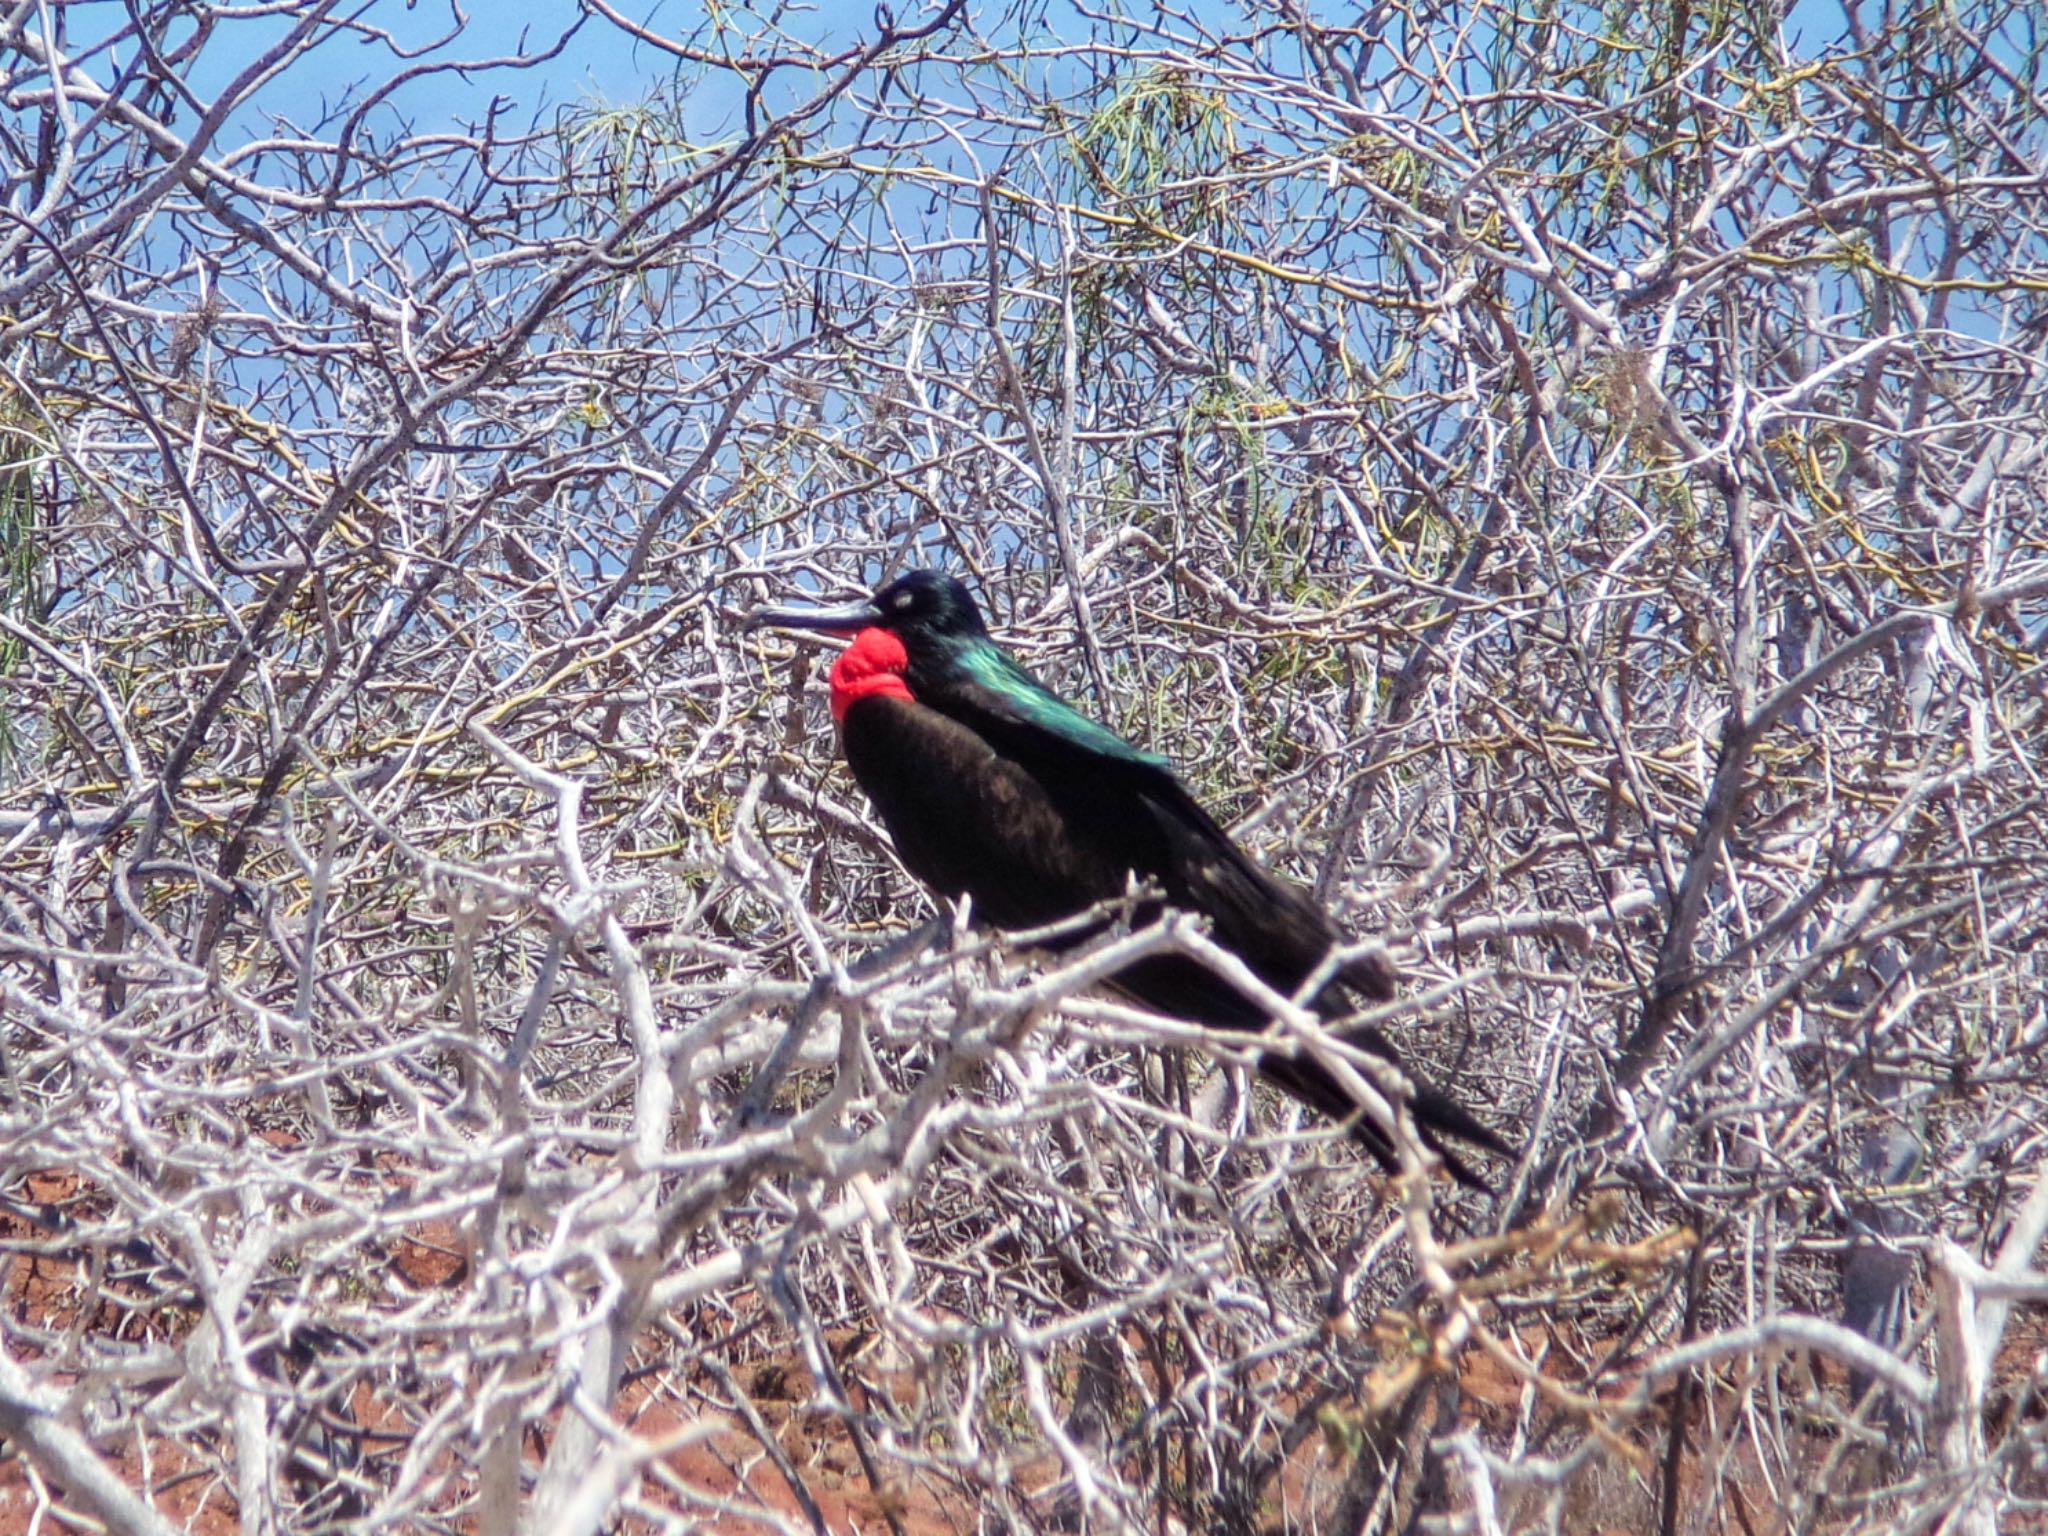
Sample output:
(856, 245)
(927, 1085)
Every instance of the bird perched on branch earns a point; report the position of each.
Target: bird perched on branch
(993, 788)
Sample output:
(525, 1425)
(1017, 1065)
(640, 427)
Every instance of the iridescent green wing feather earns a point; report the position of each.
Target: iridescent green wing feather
(989, 681)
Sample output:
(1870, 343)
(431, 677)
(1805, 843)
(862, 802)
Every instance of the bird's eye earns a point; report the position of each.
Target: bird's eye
(904, 600)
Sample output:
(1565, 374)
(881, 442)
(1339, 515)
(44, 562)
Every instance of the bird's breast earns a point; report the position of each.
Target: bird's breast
(968, 820)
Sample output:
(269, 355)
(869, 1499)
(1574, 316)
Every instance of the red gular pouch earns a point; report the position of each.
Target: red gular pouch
(872, 667)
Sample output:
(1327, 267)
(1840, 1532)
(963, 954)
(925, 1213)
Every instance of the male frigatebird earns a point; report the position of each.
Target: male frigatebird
(993, 788)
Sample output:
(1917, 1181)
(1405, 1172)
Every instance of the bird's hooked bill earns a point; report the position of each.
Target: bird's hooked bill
(846, 619)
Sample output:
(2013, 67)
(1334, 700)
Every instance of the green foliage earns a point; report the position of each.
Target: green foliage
(1148, 150)
(20, 557)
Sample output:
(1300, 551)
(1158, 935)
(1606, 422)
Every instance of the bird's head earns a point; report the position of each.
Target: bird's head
(913, 621)
(928, 604)
(921, 607)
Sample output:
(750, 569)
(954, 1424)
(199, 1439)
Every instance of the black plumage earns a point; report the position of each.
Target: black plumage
(993, 788)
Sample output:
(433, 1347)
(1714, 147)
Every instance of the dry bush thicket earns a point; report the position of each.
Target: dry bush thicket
(1566, 482)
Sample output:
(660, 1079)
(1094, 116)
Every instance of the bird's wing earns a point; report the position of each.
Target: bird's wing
(1279, 928)
(1132, 801)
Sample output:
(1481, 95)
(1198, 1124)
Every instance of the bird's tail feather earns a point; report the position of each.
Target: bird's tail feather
(1438, 1117)
(1185, 988)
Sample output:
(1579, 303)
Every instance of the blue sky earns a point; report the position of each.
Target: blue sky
(598, 64)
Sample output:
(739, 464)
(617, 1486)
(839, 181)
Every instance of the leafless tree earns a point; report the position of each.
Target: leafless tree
(1566, 482)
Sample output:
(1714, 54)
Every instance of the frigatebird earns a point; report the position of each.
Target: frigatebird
(993, 788)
